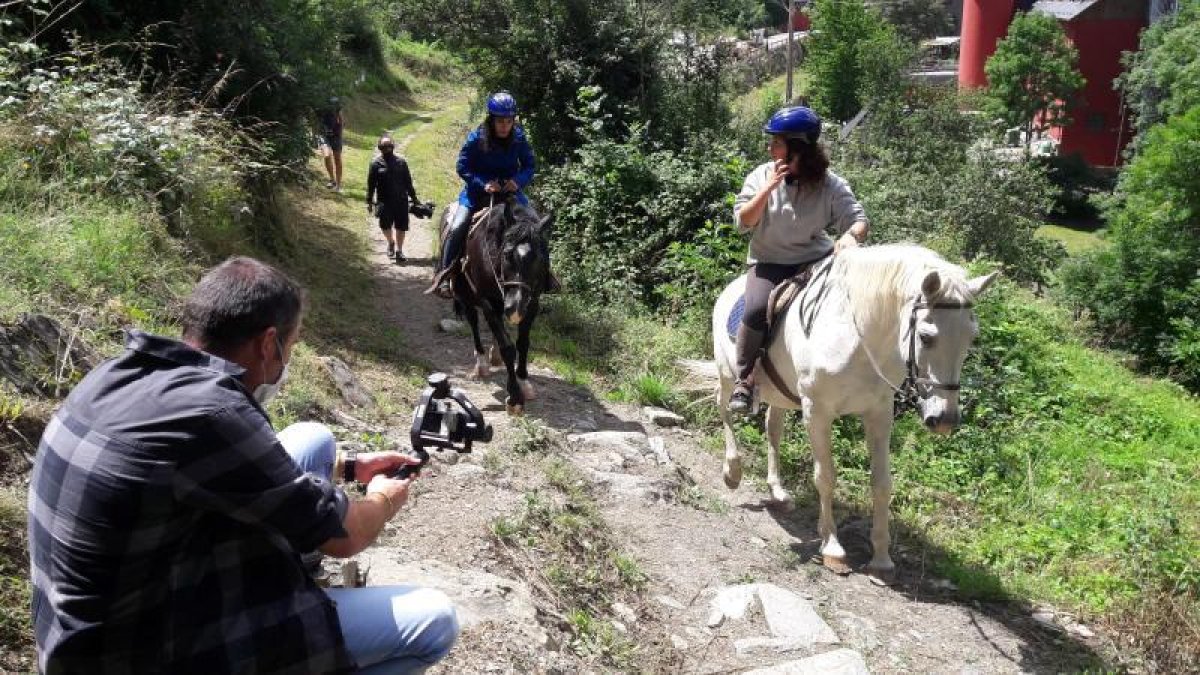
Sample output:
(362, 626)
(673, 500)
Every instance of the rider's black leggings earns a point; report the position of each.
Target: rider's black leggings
(761, 279)
(457, 236)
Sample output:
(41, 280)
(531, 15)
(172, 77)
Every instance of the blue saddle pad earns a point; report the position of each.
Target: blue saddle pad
(735, 317)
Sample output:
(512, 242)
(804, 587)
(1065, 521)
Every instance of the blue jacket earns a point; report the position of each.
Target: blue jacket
(477, 167)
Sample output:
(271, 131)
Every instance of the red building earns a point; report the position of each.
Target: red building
(1101, 30)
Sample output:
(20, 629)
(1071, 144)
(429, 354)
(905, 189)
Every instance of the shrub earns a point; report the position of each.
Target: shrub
(619, 206)
(1143, 293)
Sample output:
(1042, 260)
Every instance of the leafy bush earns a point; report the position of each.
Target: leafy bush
(1143, 292)
(267, 64)
(618, 207)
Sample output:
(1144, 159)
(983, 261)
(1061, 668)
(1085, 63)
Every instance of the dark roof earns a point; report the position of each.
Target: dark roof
(1064, 10)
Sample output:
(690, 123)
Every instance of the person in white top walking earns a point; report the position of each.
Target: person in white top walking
(787, 204)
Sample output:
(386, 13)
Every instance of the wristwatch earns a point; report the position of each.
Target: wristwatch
(349, 464)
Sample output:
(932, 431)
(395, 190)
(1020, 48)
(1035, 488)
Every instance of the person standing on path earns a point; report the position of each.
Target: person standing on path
(389, 180)
(330, 142)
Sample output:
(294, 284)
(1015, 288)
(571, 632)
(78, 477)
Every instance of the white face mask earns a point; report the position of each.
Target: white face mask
(265, 392)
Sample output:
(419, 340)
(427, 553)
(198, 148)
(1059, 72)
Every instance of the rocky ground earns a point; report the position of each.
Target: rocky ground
(730, 585)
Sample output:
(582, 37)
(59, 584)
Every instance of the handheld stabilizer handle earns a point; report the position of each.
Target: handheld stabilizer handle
(436, 423)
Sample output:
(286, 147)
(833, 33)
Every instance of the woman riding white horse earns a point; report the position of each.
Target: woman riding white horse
(787, 203)
(873, 323)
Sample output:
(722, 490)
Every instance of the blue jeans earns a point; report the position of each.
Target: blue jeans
(388, 629)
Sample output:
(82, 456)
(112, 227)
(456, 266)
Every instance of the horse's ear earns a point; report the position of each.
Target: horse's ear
(980, 284)
(545, 224)
(931, 285)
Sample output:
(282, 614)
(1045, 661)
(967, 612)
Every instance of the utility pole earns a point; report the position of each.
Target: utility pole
(791, 14)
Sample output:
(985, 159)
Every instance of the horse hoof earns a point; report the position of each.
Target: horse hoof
(836, 564)
(515, 410)
(881, 576)
(783, 504)
(496, 358)
(732, 473)
(527, 390)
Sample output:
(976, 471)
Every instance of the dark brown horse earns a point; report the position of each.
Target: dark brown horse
(504, 272)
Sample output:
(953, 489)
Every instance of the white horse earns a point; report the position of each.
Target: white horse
(880, 320)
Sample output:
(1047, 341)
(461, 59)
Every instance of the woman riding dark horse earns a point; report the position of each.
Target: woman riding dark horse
(506, 272)
(496, 160)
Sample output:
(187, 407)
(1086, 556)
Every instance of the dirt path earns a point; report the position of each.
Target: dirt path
(693, 538)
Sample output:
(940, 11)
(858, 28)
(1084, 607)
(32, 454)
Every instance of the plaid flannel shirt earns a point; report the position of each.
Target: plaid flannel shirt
(165, 523)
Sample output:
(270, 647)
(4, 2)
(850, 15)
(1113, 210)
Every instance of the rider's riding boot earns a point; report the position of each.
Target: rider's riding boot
(749, 344)
(455, 241)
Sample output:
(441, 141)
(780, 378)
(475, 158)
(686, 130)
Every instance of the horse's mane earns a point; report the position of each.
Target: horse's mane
(880, 279)
(523, 227)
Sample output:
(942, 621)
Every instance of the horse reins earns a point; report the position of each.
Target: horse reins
(907, 394)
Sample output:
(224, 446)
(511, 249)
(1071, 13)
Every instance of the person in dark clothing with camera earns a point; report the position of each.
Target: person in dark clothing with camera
(389, 180)
(167, 518)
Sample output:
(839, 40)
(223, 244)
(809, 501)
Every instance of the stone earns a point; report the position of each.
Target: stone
(632, 445)
(624, 612)
(453, 326)
(42, 358)
(347, 383)
(1046, 619)
(467, 472)
(766, 646)
(734, 602)
(1080, 630)
(678, 642)
(619, 627)
(658, 448)
(479, 597)
(668, 601)
(646, 488)
(662, 417)
(859, 633)
(790, 616)
(836, 662)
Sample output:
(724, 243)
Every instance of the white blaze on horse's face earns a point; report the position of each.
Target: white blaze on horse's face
(517, 295)
(944, 333)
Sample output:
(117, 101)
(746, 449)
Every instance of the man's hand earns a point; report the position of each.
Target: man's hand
(511, 186)
(492, 187)
(368, 465)
(394, 491)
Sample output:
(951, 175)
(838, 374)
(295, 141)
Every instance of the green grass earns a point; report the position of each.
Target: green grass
(1075, 241)
(101, 263)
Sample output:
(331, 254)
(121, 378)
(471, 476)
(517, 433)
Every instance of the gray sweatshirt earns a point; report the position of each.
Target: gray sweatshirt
(792, 227)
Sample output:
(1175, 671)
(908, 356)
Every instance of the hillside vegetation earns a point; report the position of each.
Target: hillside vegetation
(1074, 480)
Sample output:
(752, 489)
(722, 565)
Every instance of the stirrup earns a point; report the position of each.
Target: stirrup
(741, 401)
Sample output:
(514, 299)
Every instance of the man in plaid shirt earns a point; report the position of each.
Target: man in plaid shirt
(167, 518)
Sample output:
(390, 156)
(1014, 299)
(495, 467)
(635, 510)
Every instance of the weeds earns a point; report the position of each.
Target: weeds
(559, 539)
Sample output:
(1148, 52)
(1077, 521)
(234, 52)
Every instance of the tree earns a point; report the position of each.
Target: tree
(1163, 76)
(917, 19)
(854, 56)
(1144, 291)
(1033, 75)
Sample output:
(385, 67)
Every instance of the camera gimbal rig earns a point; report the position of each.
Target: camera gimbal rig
(437, 424)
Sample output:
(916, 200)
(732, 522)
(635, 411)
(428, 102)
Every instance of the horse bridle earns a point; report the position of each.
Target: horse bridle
(496, 276)
(908, 393)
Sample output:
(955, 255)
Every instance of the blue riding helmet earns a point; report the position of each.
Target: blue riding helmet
(795, 122)
(502, 104)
